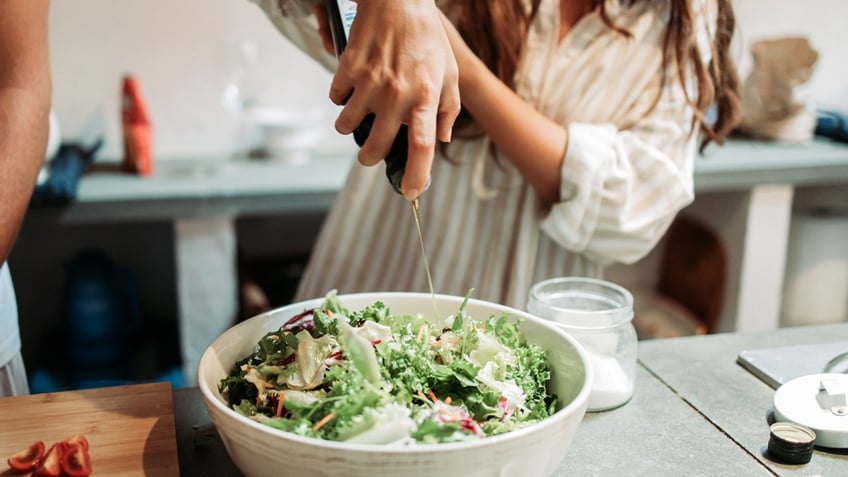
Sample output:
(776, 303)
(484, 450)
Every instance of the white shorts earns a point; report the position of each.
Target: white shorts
(13, 378)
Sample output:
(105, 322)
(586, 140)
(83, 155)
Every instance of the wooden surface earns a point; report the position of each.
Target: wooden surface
(130, 429)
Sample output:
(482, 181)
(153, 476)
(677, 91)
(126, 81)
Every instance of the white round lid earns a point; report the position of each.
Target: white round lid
(817, 401)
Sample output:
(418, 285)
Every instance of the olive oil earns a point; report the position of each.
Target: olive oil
(417, 215)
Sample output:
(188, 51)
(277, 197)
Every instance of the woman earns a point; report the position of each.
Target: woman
(575, 149)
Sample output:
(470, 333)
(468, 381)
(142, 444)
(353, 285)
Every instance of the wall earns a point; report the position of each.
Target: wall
(822, 21)
(186, 52)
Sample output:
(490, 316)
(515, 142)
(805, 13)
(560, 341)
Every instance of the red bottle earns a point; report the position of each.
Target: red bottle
(137, 129)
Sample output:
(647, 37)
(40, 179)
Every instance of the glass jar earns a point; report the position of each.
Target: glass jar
(598, 314)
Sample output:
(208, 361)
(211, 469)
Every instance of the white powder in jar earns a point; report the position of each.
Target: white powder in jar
(612, 386)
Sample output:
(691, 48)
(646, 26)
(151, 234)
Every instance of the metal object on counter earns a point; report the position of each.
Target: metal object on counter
(838, 364)
(816, 401)
(831, 398)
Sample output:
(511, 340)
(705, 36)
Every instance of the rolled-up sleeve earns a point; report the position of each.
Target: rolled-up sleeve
(620, 189)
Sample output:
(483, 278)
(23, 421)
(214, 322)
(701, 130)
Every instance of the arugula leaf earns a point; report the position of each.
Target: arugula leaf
(324, 324)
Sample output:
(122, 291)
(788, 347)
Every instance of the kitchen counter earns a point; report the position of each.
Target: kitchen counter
(203, 187)
(694, 412)
(742, 164)
(702, 371)
(194, 187)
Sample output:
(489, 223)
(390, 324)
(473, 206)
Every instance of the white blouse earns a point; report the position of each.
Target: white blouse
(626, 173)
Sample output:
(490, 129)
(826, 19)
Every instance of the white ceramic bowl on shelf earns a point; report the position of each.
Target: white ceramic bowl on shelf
(288, 135)
(535, 451)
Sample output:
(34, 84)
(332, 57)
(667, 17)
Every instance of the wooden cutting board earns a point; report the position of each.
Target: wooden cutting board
(130, 429)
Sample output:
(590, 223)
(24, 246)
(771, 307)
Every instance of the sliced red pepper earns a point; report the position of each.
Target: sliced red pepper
(77, 440)
(51, 464)
(28, 458)
(76, 462)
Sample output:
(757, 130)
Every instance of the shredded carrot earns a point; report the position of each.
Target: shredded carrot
(433, 396)
(422, 396)
(324, 420)
(280, 400)
(420, 333)
(448, 400)
(329, 313)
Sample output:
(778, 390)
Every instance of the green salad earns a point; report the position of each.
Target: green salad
(372, 377)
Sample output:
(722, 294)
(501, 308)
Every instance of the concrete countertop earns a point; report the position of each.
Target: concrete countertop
(703, 372)
(219, 177)
(206, 187)
(230, 186)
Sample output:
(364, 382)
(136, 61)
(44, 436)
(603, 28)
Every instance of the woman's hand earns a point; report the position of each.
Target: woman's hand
(398, 64)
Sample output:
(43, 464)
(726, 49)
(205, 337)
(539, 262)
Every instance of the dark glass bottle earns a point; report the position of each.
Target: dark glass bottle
(396, 158)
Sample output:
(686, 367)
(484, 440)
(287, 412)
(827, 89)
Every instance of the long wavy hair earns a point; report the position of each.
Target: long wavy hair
(496, 30)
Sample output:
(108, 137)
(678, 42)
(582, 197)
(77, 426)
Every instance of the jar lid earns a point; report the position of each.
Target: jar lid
(818, 402)
(791, 443)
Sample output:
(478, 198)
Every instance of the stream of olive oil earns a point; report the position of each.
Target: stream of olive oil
(424, 256)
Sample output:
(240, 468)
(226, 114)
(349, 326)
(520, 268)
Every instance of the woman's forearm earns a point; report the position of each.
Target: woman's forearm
(533, 143)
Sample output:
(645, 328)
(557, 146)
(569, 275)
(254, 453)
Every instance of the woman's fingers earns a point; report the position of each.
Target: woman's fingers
(380, 138)
(398, 65)
(422, 144)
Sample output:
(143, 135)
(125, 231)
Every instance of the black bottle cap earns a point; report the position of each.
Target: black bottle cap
(791, 443)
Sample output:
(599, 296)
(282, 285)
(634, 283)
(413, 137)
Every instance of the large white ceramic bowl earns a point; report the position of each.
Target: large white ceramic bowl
(259, 450)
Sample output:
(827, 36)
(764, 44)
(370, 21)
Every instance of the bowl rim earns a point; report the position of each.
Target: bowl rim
(213, 398)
